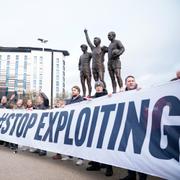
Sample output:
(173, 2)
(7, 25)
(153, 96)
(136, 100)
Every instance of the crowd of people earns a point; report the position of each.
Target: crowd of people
(42, 103)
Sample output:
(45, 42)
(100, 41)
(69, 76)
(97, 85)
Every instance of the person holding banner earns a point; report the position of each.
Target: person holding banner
(132, 85)
(96, 166)
(76, 97)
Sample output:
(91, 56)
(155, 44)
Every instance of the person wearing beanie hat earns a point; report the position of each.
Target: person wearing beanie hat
(96, 166)
(100, 90)
(99, 83)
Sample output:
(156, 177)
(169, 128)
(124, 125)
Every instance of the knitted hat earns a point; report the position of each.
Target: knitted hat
(99, 83)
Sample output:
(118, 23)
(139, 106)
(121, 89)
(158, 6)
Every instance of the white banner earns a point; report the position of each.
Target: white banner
(137, 130)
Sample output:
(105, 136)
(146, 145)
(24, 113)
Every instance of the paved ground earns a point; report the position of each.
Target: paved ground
(29, 166)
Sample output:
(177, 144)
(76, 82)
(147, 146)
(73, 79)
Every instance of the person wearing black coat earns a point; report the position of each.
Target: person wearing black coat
(75, 98)
(95, 166)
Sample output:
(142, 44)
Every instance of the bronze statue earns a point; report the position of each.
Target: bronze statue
(104, 51)
(97, 55)
(115, 49)
(85, 70)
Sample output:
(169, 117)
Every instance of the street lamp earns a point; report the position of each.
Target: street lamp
(43, 41)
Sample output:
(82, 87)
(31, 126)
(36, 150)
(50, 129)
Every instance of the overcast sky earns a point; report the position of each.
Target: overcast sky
(149, 30)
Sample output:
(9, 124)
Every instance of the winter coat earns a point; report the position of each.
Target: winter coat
(74, 100)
